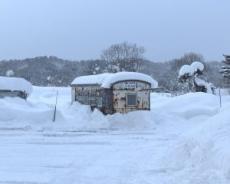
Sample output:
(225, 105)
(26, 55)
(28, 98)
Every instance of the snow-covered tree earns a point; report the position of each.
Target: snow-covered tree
(186, 78)
(191, 78)
(9, 73)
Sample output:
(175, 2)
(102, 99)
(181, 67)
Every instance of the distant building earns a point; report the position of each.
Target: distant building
(14, 87)
(114, 92)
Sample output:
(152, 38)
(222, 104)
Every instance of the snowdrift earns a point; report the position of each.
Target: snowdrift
(38, 112)
(202, 154)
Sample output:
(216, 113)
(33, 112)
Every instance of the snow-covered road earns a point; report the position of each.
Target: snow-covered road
(81, 157)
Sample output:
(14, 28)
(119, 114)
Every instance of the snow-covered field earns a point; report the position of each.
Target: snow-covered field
(183, 139)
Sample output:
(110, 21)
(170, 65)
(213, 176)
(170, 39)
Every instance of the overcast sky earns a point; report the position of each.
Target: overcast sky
(81, 29)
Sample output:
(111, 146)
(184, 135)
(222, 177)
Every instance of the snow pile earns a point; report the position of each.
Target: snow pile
(105, 80)
(189, 106)
(18, 113)
(202, 154)
(15, 84)
(190, 70)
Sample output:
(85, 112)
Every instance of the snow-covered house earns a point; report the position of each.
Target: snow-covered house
(14, 87)
(114, 92)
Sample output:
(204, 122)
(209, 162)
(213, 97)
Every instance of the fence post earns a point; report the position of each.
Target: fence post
(55, 108)
(220, 98)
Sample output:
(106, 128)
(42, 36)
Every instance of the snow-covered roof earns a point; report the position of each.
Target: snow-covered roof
(15, 84)
(106, 80)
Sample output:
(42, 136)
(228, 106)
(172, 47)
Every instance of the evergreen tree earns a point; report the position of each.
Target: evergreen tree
(225, 70)
(191, 78)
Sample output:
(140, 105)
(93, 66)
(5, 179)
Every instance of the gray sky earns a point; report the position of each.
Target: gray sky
(81, 29)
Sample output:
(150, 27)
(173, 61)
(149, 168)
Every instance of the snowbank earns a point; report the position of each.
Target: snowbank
(37, 112)
(105, 80)
(189, 106)
(202, 154)
(15, 84)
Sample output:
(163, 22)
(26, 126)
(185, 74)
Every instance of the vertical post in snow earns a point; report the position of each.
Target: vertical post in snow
(55, 108)
(220, 98)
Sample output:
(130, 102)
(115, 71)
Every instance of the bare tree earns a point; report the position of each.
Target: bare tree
(187, 59)
(123, 57)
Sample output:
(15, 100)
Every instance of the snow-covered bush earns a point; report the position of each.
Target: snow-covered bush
(9, 73)
(190, 70)
(186, 71)
(191, 78)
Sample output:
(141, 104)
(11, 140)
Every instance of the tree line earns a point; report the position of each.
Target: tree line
(53, 71)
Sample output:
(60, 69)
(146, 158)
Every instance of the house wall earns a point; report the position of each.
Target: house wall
(88, 95)
(113, 100)
(122, 89)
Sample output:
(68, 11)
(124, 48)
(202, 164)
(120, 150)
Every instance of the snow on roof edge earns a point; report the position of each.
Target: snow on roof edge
(15, 84)
(105, 80)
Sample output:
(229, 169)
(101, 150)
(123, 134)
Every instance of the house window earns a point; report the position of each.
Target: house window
(131, 99)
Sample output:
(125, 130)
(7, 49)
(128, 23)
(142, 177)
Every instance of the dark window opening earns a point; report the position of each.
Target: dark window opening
(131, 99)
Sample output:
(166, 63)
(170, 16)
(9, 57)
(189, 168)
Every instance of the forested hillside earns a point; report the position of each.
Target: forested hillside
(53, 71)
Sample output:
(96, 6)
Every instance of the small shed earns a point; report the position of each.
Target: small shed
(114, 92)
(14, 87)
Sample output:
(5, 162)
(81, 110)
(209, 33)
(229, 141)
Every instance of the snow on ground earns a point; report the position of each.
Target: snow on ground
(183, 139)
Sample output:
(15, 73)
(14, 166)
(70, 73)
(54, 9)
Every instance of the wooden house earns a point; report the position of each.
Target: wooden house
(114, 92)
(14, 87)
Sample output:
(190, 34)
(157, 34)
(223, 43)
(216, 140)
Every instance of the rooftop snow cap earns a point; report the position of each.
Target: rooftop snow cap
(15, 84)
(106, 80)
